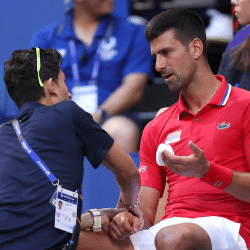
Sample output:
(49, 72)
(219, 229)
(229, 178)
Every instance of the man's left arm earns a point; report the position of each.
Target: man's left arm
(127, 95)
(196, 165)
(136, 71)
(239, 187)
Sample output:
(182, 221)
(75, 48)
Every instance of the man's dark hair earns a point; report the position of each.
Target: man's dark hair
(21, 77)
(186, 24)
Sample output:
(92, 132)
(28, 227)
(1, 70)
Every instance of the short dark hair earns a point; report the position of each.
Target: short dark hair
(21, 77)
(186, 24)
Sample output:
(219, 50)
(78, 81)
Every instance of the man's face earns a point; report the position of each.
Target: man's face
(173, 61)
(60, 205)
(242, 11)
(97, 8)
(63, 93)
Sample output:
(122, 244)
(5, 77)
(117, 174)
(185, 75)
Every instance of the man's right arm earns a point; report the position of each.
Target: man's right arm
(126, 174)
(125, 224)
(148, 200)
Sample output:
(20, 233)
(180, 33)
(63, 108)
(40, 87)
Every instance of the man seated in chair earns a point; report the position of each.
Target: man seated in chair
(201, 144)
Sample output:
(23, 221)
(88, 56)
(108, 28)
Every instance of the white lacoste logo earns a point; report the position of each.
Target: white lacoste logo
(223, 125)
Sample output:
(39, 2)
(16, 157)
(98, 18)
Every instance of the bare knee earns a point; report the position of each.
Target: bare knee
(167, 239)
(186, 236)
(124, 131)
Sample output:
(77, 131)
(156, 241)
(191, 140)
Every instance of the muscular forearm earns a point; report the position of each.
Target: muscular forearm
(233, 182)
(149, 200)
(125, 171)
(86, 221)
(240, 186)
(130, 186)
(121, 101)
(127, 95)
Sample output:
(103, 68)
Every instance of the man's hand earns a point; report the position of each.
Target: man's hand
(107, 214)
(117, 222)
(123, 225)
(194, 165)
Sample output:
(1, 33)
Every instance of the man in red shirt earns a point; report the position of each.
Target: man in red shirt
(201, 145)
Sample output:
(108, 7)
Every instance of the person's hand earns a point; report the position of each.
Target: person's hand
(123, 225)
(107, 215)
(134, 210)
(97, 117)
(194, 165)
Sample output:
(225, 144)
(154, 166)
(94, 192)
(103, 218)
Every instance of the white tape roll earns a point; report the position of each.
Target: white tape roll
(162, 147)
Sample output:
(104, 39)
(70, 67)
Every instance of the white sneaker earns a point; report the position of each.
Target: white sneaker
(220, 26)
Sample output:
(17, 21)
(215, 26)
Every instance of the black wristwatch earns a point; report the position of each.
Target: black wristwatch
(102, 113)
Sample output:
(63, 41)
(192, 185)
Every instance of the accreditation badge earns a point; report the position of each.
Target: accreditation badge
(86, 97)
(65, 209)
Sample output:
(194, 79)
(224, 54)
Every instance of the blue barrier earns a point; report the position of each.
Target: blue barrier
(99, 186)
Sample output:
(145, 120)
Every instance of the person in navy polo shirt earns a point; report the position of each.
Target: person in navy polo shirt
(200, 147)
(42, 154)
(107, 64)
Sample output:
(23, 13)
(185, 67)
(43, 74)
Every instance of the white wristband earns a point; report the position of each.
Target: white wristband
(97, 219)
(162, 147)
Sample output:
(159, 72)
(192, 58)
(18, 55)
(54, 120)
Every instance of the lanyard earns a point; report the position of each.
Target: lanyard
(97, 59)
(33, 155)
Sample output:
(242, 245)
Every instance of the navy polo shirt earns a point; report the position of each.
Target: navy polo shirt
(125, 52)
(62, 135)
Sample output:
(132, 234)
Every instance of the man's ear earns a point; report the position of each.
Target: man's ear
(50, 88)
(196, 48)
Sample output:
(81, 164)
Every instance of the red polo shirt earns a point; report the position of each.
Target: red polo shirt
(222, 130)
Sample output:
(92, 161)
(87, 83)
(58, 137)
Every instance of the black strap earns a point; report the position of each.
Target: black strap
(72, 244)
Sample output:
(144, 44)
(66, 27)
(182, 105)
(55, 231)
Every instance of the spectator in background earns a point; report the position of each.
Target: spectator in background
(235, 62)
(241, 9)
(8, 109)
(107, 64)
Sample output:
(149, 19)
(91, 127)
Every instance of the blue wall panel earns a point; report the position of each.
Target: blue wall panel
(99, 186)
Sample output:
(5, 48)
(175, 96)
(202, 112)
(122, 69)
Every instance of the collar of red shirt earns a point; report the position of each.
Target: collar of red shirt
(219, 99)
